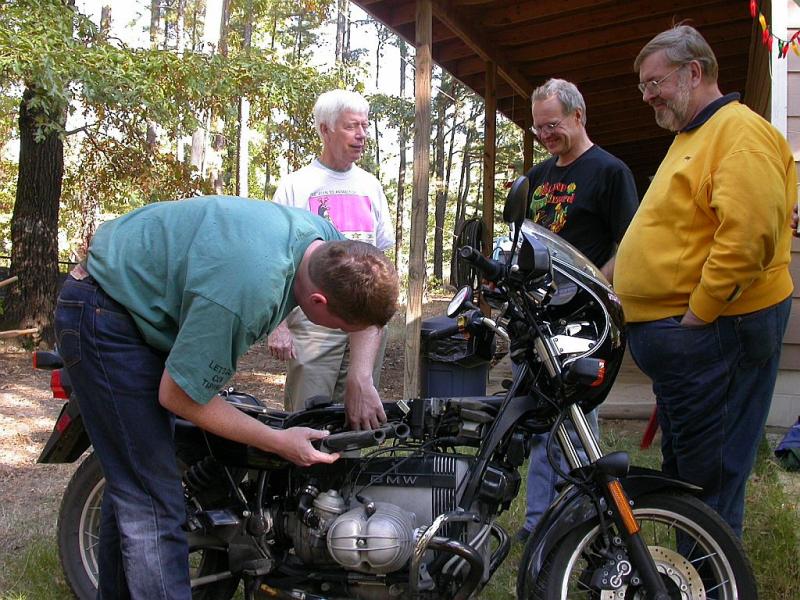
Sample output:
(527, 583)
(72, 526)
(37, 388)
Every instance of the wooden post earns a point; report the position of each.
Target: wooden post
(8, 281)
(419, 198)
(527, 150)
(489, 155)
(16, 332)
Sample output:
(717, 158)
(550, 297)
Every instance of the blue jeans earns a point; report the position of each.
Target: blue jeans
(142, 551)
(713, 386)
(542, 478)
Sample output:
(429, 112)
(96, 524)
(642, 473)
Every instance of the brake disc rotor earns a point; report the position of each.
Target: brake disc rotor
(678, 573)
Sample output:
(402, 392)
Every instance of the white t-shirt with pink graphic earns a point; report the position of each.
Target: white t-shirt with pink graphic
(352, 200)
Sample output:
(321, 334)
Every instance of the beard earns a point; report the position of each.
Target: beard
(676, 111)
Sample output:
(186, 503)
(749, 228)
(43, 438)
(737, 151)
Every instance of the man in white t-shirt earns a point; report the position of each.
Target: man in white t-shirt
(333, 187)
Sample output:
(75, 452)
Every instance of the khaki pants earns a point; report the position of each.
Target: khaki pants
(323, 359)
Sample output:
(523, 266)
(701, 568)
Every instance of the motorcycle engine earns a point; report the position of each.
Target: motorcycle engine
(376, 537)
(370, 526)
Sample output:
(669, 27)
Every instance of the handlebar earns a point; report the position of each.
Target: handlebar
(492, 270)
(355, 440)
(352, 440)
(442, 333)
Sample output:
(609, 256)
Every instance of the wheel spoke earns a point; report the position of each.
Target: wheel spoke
(686, 540)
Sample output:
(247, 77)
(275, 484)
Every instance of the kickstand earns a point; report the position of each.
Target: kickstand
(251, 585)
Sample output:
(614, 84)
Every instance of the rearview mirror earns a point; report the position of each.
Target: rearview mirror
(516, 206)
(462, 297)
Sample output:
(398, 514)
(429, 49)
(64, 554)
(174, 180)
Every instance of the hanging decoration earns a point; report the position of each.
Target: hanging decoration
(769, 39)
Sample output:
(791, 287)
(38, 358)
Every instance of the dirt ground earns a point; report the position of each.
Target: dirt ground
(30, 493)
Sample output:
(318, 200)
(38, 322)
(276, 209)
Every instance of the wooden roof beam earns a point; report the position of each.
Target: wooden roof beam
(521, 11)
(627, 45)
(615, 20)
(728, 51)
(446, 12)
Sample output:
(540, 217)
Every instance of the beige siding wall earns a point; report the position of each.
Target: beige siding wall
(791, 352)
(786, 401)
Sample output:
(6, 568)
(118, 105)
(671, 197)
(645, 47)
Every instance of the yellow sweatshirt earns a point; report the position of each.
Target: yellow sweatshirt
(713, 230)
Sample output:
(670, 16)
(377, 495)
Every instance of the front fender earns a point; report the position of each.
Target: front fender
(572, 508)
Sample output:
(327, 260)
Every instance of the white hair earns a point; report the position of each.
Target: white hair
(567, 94)
(332, 104)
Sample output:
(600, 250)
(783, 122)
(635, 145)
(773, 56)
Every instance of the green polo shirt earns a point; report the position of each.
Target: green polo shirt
(205, 278)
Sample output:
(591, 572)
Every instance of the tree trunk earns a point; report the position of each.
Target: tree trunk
(342, 12)
(463, 191)
(441, 194)
(198, 10)
(382, 34)
(90, 212)
(198, 152)
(268, 128)
(451, 145)
(155, 19)
(401, 173)
(214, 157)
(224, 23)
(105, 20)
(34, 224)
(180, 16)
(180, 23)
(243, 142)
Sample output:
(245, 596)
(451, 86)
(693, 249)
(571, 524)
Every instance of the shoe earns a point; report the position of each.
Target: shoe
(522, 535)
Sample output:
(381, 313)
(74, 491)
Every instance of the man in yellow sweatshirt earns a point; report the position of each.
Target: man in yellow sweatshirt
(703, 270)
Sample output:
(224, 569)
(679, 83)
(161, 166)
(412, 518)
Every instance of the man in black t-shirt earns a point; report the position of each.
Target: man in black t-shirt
(586, 196)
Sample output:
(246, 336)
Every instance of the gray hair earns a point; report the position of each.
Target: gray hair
(682, 44)
(567, 94)
(332, 104)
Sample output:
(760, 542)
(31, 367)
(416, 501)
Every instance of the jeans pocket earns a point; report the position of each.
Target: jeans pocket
(759, 337)
(68, 317)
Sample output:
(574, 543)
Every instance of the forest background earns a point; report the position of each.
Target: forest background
(106, 108)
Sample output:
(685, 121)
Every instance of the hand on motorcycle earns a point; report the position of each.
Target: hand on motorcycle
(281, 343)
(295, 446)
(362, 404)
(223, 419)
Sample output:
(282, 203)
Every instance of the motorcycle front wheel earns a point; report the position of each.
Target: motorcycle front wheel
(696, 553)
(79, 532)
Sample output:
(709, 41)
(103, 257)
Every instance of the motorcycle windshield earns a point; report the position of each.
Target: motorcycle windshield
(563, 252)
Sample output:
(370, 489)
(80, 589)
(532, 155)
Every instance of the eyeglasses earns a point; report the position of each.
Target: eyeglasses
(654, 86)
(547, 129)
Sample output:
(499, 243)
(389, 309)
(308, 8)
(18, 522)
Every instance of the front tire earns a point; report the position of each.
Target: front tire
(710, 562)
(79, 532)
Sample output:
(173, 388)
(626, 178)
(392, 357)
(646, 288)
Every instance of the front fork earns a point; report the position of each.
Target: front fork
(615, 496)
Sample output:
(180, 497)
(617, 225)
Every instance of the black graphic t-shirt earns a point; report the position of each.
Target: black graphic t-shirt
(589, 202)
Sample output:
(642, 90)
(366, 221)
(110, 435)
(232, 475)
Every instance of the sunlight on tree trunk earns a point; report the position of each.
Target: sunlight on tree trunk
(401, 172)
(243, 142)
(34, 224)
(440, 203)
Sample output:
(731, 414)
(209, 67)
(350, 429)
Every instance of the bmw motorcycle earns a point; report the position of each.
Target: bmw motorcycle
(412, 513)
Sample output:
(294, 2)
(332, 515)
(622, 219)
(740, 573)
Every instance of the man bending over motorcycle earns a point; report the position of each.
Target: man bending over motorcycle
(152, 326)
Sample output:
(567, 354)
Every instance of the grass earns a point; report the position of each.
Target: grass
(34, 573)
(770, 537)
